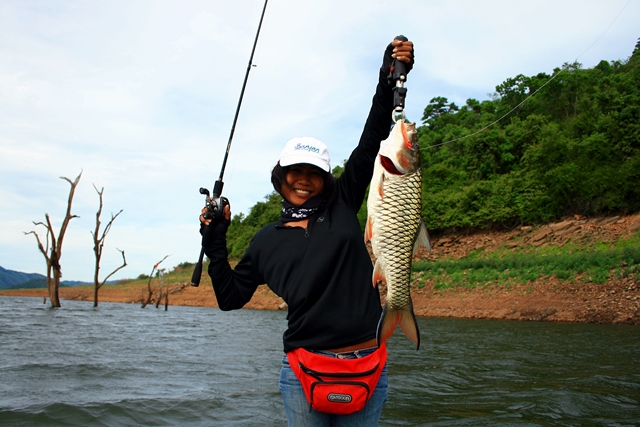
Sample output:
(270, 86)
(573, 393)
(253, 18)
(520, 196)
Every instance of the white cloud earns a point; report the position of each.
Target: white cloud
(141, 97)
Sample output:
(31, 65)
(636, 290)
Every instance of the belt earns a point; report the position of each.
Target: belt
(355, 354)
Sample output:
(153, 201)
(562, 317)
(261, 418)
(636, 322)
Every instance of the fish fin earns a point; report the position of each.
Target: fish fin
(409, 325)
(378, 274)
(368, 230)
(387, 324)
(381, 188)
(422, 238)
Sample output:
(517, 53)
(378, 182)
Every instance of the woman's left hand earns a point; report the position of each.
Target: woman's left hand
(402, 51)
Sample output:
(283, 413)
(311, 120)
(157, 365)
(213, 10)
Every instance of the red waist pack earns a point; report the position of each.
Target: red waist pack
(337, 386)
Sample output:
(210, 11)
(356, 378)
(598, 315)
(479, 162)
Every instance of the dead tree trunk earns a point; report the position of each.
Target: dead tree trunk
(52, 250)
(147, 301)
(97, 286)
(98, 245)
(164, 291)
(160, 287)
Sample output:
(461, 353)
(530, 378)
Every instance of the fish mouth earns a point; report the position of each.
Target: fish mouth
(388, 165)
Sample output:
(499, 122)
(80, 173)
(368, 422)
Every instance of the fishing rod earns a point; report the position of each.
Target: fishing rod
(214, 203)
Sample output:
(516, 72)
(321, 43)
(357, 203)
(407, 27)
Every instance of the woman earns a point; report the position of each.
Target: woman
(314, 257)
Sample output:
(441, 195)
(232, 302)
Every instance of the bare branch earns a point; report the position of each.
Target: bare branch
(160, 262)
(124, 264)
(98, 246)
(108, 227)
(68, 216)
(150, 292)
(50, 231)
(44, 251)
(97, 230)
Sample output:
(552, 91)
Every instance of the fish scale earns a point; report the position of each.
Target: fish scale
(399, 224)
(395, 228)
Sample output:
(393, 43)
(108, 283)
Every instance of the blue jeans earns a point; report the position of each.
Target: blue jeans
(298, 409)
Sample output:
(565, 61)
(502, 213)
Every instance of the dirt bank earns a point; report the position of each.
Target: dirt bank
(549, 299)
(616, 301)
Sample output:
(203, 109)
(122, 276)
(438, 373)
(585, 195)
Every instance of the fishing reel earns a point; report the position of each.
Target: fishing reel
(214, 205)
(214, 211)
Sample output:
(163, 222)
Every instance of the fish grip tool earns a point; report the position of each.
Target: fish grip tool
(214, 202)
(399, 76)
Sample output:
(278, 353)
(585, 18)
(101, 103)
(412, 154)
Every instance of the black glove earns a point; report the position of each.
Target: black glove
(387, 59)
(218, 226)
(216, 230)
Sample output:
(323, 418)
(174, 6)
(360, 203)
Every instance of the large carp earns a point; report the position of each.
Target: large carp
(395, 227)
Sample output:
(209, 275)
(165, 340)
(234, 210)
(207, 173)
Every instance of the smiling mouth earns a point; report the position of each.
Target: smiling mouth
(302, 192)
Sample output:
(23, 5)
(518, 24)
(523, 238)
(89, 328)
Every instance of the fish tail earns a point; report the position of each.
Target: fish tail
(391, 318)
(409, 325)
(387, 324)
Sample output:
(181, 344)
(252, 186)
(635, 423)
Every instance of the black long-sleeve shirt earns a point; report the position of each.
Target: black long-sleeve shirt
(324, 272)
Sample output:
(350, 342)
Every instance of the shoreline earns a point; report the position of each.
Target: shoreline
(617, 301)
(612, 303)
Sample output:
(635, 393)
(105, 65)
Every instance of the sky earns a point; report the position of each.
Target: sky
(140, 96)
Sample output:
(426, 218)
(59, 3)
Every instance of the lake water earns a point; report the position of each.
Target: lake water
(120, 365)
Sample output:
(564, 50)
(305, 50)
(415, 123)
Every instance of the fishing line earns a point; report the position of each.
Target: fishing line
(214, 203)
(534, 92)
(605, 31)
(496, 121)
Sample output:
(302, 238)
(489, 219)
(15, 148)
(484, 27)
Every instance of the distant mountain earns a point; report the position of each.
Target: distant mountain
(30, 284)
(10, 279)
(70, 283)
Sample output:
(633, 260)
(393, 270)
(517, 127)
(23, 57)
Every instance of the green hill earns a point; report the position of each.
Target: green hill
(573, 148)
(31, 284)
(10, 278)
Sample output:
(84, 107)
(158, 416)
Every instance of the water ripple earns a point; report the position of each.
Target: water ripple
(120, 365)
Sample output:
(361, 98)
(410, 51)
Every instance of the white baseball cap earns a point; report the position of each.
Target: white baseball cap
(306, 150)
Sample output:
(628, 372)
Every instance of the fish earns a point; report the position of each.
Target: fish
(395, 227)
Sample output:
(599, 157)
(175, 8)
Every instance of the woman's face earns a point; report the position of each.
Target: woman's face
(303, 181)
